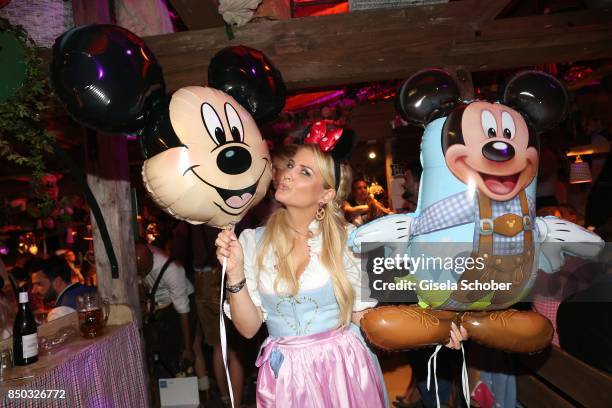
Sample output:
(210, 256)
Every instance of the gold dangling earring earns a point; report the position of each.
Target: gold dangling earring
(320, 212)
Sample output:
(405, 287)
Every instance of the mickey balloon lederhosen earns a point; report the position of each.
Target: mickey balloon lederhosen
(515, 269)
(480, 162)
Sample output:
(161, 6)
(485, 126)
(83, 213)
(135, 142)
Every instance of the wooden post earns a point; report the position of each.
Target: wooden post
(463, 77)
(108, 178)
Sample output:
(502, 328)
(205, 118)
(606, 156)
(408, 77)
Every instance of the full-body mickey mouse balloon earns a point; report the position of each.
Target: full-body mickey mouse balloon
(205, 159)
(480, 161)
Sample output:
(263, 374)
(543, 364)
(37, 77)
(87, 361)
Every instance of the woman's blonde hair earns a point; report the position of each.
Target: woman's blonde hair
(278, 237)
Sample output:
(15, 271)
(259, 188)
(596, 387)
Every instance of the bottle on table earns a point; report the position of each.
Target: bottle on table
(25, 334)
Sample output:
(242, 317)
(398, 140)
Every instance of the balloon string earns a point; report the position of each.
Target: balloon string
(465, 384)
(223, 331)
(434, 356)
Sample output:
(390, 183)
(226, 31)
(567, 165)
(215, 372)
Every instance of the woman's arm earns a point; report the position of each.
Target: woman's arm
(245, 315)
(354, 211)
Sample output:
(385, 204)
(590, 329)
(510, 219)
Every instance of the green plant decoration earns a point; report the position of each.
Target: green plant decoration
(23, 138)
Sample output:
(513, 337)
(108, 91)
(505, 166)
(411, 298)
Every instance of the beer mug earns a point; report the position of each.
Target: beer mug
(93, 313)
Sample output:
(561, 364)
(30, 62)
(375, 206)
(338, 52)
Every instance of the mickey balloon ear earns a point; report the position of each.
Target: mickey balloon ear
(248, 76)
(158, 134)
(540, 96)
(106, 77)
(427, 95)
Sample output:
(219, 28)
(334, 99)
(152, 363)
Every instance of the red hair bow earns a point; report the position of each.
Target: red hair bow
(323, 136)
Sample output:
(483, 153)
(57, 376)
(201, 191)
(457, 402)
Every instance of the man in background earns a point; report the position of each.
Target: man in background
(171, 316)
(51, 283)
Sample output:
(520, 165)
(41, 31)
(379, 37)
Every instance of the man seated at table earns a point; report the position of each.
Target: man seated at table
(51, 282)
(173, 312)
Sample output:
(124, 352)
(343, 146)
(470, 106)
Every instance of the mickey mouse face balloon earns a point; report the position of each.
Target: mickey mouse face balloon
(205, 160)
(219, 166)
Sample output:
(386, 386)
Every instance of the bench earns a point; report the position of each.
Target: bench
(557, 379)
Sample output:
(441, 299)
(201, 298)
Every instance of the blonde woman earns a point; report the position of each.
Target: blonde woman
(297, 275)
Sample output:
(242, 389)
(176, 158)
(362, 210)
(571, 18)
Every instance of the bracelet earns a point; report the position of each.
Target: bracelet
(237, 287)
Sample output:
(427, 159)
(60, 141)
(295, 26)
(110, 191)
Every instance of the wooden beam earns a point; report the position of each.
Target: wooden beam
(391, 43)
(109, 179)
(198, 14)
(463, 78)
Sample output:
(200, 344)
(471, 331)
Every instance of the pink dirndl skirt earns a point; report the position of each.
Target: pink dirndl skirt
(329, 369)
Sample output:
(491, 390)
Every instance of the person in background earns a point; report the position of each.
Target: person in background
(8, 304)
(598, 209)
(187, 246)
(361, 206)
(550, 191)
(70, 258)
(412, 180)
(172, 312)
(51, 283)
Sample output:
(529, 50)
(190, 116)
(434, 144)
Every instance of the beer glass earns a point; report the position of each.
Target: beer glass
(6, 361)
(93, 314)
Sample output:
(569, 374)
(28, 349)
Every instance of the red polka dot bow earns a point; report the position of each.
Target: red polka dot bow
(323, 135)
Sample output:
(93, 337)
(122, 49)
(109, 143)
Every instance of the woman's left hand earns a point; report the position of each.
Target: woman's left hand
(356, 317)
(457, 334)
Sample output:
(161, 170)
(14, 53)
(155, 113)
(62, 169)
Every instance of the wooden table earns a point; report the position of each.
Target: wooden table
(107, 371)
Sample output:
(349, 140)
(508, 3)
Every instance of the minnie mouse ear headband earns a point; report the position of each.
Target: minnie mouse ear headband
(332, 139)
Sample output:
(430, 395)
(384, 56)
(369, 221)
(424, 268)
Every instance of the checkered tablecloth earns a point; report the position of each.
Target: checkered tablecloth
(102, 373)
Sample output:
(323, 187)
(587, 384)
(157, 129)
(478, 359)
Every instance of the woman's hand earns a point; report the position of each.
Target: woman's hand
(229, 247)
(457, 334)
(356, 317)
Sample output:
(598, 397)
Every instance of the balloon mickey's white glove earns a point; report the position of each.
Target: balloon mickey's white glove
(390, 228)
(558, 237)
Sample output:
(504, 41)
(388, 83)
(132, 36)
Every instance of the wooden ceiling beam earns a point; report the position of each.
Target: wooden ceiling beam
(392, 43)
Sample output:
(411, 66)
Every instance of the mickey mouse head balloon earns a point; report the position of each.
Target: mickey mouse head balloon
(205, 159)
(220, 166)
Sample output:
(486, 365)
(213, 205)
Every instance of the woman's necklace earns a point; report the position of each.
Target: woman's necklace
(305, 235)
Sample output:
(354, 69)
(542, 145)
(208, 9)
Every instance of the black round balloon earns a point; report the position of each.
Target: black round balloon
(248, 76)
(538, 95)
(427, 95)
(106, 77)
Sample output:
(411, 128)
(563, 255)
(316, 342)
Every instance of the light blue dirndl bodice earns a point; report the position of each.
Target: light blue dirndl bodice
(309, 312)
